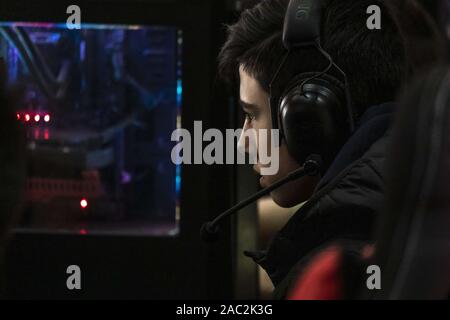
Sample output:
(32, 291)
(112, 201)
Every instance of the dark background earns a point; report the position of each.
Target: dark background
(143, 267)
(181, 267)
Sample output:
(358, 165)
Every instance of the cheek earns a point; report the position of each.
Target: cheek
(287, 162)
(263, 123)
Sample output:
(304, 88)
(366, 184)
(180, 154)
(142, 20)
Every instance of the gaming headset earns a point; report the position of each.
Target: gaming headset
(314, 112)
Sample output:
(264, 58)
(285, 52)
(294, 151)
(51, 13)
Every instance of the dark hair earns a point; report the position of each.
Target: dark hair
(374, 60)
(424, 41)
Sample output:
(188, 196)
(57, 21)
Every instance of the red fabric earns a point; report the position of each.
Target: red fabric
(321, 279)
(368, 252)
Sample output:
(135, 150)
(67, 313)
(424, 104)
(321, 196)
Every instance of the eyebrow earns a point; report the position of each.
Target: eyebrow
(247, 106)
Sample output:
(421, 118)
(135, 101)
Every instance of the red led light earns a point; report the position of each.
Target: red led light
(18, 116)
(83, 231)
(83, 203)
(27, 117)
(37, 118)
(47, 118)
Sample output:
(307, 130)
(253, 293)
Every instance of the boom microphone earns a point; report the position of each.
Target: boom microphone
(210, 230)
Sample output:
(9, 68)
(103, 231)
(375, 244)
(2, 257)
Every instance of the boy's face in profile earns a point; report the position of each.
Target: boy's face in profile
(255, 104)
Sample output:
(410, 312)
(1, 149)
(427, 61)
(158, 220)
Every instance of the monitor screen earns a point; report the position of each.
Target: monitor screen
(99, 105)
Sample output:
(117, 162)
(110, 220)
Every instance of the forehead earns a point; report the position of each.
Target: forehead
(250, 90)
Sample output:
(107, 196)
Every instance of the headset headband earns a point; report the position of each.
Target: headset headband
(301, 29)
(302, 23)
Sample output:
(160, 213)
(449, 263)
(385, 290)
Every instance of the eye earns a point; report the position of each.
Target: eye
(249, 116)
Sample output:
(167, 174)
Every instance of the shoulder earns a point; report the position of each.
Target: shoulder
(321, 279)
(325, 274)
(361, 184)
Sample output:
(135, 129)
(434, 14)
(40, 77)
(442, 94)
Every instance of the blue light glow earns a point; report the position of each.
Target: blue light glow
(178, 180)
(50, 25)
(179, 92)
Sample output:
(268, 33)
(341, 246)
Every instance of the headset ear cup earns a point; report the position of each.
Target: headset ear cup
(313, 120)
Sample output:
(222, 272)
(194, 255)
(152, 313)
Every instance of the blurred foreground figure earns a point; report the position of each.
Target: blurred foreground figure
(413, 243)
(12, 164)
(413, 235)
(424, 41)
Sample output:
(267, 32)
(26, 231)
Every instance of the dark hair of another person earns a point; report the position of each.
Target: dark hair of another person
(425, 44)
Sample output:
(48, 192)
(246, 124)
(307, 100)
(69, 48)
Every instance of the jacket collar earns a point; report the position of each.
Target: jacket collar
(371, 127)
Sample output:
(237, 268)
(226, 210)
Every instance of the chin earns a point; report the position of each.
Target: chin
(284, 200)
(294, 192)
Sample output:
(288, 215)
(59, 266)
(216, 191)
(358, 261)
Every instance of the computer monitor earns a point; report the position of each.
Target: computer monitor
(99, 105)
(116, 204)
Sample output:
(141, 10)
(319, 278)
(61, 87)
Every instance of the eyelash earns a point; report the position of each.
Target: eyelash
(248, 116)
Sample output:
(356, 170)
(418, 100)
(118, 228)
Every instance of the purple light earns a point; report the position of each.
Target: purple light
(125, 177)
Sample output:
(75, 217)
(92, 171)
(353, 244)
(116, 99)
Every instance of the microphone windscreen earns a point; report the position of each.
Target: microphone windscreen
(312, 164)
(209, 234)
